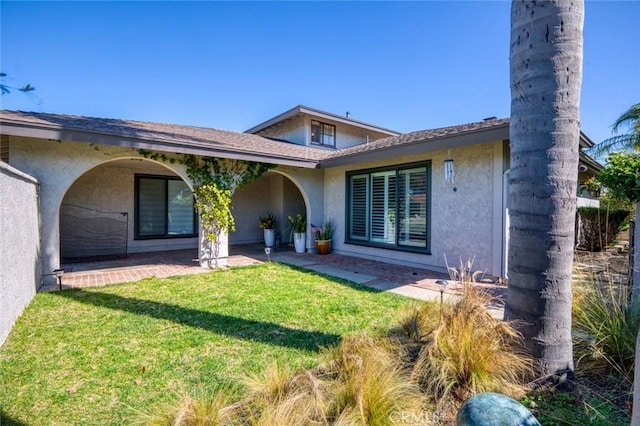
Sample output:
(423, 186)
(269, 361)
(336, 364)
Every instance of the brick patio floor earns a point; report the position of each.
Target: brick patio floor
(368, 272)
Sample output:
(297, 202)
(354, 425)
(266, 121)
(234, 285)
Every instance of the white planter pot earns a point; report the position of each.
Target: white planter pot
(269, 237)
(300, 241)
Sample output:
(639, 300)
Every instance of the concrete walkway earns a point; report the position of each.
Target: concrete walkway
(416, 283)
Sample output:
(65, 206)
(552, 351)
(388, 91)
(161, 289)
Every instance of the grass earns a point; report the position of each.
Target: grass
(104, 355)
(605, 326)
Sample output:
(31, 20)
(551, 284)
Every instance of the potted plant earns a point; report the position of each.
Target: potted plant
(592, 185)
(268, 224)
(323, 235)
(299, 232)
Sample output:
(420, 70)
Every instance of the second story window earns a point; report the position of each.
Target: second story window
(323, 134)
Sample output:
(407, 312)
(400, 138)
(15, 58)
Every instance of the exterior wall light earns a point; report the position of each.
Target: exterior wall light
(449, 171)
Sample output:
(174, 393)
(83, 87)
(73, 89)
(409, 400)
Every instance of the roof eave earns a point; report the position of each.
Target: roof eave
(301, 109)
(56, 133)
(421, 146)
(590, 162)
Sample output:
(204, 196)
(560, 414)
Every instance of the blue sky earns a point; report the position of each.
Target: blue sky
(401, 65)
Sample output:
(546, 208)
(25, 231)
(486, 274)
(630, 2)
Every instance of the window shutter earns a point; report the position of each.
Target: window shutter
(359, 208)
(383, 214)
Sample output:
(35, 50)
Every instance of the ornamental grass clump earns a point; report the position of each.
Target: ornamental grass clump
(361, 383)
(471, 352)
(418, 321)
(280, 396)
(605, 325)
(202, 409)
(368, 384)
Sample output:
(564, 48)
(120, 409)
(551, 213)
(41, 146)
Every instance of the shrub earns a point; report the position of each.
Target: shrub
(471, 352)
(599, 226)
(605, 326)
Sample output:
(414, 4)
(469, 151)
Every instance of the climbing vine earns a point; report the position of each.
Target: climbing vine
(215, 180)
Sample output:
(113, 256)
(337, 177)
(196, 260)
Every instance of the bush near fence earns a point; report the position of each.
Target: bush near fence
(598, 227)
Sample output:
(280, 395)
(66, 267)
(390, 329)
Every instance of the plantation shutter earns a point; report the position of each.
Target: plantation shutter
(413, 207)
(359, 208)
(383, 200)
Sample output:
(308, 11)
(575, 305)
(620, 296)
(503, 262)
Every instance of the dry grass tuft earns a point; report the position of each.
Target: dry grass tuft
(418, 321)
(283, 397)
(368, 383)
(471, 352)
(199, 410)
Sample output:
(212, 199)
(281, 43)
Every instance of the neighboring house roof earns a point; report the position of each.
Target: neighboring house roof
(322, 115)
(158, 136)
(244, 146)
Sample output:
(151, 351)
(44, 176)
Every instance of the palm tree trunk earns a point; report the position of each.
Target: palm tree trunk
(546, 78)
(635, 291)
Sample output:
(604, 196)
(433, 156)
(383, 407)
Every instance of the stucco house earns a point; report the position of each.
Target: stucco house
(409, 198)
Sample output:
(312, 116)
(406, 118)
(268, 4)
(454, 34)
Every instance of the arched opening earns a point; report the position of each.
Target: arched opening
(126, 206)
(272, 193)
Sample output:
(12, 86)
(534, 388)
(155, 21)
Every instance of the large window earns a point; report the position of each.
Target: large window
(163, 208)
(389, 207)
(322, 133)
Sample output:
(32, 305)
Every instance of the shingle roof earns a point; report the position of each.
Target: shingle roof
(421, 136)
(170, 135)
(223, 143)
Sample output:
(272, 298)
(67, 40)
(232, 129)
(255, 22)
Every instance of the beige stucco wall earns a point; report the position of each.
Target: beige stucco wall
(110, 188)
(77, 169)
(272, 193)
(19, 245)
(292, 130)
(465, 223)
(57, 165)
(298, 130)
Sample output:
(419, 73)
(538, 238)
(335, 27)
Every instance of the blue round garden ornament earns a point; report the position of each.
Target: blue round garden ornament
(494, 409)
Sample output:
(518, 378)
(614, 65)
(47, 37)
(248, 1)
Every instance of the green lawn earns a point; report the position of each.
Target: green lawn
(101, 355)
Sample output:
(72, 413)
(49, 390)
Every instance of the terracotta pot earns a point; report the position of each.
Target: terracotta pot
(323, 246)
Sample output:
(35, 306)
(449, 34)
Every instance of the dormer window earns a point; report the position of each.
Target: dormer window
(323, 134)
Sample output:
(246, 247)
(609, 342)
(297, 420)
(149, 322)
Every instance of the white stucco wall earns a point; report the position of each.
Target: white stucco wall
(19, 245)
(465, 223)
